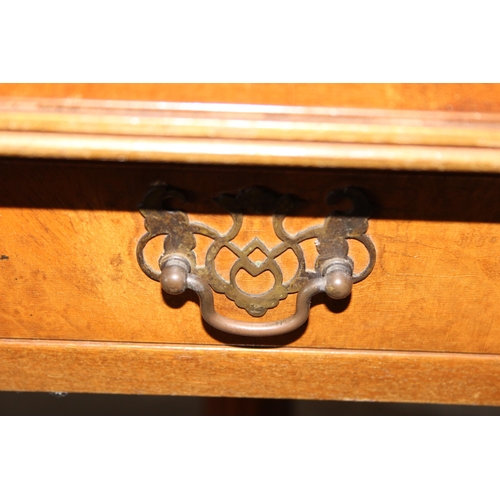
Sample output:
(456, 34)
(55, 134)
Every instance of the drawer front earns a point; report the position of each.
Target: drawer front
(68, 271)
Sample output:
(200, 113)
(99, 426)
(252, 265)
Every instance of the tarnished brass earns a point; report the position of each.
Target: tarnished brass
(177, 269)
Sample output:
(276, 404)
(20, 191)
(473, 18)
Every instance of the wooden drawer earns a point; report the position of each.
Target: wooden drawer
(70, 272)
(79, 314)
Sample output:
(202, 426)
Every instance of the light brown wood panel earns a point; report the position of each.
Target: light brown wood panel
(234, 152)
(69, 232)
(240, 152)
(235, 372)
(229, 134)
(429, 96)
(241, 121)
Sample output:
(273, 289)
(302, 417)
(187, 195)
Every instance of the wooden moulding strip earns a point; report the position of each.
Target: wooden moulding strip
(309, 128)
(250, 134)
(228, 151)
(81, 105)
(70, 366)
(257, 111)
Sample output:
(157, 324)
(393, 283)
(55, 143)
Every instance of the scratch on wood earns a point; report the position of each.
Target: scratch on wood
(4, 257)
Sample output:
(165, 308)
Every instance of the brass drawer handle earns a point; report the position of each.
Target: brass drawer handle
(333, 272)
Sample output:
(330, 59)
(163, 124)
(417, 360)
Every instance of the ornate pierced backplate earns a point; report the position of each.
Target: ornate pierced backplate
(331, 241)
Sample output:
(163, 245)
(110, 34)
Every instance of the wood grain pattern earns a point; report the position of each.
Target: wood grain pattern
(430, 96)
(229, 134)
(235, 372)
(70, 231)
(77, 314)
(239, 121)
(233, 152)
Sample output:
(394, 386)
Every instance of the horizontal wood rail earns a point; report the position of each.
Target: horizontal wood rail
(107, 367)
(250, 134)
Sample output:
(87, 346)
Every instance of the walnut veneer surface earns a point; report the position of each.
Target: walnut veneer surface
(77, 313)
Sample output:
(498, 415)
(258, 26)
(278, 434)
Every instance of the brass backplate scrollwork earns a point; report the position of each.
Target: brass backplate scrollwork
(180, 242)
